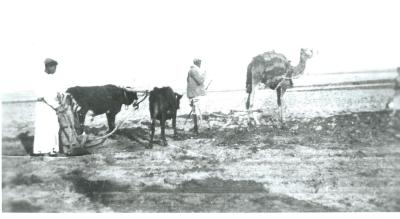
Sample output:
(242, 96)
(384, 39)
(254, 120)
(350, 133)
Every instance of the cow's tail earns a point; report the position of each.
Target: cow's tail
(249, 78)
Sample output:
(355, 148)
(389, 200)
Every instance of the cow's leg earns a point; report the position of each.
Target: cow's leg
(111, 121)
(174, 125)
(81, 118)
(162, 123)
(152, 129)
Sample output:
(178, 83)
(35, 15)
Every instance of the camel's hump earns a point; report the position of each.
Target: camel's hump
(271, 56)
(272, 61)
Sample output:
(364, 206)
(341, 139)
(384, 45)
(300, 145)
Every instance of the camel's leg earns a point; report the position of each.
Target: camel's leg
(282, 109)
(387, 106)
(253, 95)
(248, 101)
(251, 112)
(249, 105)
(279, 95)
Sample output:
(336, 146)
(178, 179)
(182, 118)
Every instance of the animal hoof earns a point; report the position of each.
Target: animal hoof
(247, 105)
(150, 146)
(251, 124)
(194, 130)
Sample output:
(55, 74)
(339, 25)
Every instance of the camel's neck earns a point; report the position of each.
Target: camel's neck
(299, 69)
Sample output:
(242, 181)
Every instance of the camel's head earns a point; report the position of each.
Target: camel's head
(306, 54)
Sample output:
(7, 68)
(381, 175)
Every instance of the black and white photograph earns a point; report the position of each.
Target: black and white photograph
(187, 106)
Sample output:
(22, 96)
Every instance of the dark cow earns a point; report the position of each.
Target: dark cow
(164, 103)
(101, 99)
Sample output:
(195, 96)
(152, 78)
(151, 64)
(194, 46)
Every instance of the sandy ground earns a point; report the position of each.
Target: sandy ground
(344, 162)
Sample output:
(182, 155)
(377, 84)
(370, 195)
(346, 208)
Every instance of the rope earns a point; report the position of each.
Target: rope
(320, 87)
(136, 105)
(44, 101)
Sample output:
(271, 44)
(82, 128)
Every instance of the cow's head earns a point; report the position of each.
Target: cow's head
(178, 100)
(130, 96)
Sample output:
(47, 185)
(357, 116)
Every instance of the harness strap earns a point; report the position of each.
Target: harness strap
(284, 78)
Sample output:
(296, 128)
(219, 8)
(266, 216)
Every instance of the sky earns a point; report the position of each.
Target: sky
(153, 42)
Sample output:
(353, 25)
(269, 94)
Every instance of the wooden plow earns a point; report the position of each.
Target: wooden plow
(69, 140)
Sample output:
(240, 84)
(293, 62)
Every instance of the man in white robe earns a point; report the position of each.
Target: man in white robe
(46, 139)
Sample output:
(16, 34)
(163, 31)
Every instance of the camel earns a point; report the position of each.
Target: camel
(274, 71)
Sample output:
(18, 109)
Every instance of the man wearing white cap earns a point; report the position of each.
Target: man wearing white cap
(46, 121)
(195, 89)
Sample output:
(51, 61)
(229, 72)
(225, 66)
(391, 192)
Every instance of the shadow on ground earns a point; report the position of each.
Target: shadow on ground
(207, 195)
